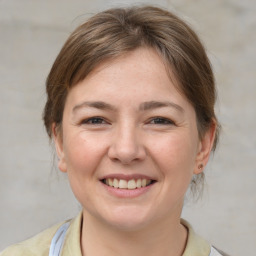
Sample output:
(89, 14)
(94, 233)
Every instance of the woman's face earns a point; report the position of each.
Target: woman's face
(129, 142)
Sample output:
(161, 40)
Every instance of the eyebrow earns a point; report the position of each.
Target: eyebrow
(94, 104)
(145, 106)
(159, 104)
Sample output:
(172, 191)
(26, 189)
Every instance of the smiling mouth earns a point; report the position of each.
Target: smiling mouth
(127, 184)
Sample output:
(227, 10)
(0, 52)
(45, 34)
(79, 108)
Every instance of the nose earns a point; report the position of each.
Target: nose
(127, 146)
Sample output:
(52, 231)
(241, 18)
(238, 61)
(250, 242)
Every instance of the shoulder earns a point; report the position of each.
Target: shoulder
(217, 252)
(197, 246)
(37, 246)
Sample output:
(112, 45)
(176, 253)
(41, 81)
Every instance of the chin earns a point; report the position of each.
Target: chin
(127, 218)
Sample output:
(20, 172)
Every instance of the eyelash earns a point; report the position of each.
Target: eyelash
(94, 121)
(161, 121)
(154, 121)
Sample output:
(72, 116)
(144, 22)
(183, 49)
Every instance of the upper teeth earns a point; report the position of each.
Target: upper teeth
(127, 184)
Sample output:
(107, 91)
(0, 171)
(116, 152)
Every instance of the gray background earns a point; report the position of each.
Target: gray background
(34, 195)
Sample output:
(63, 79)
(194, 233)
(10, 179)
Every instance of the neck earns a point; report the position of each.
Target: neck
(166, 237)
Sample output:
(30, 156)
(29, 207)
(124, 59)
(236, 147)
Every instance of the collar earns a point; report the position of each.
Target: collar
(196, 246)
(71, 244)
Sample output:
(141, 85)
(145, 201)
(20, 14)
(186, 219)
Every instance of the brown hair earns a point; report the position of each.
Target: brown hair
(114, 32)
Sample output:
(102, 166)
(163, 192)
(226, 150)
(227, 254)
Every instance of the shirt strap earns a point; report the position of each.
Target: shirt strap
(214, 252)
(59, 237)
(58, 240)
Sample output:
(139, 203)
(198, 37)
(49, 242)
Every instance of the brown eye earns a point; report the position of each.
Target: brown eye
(161, 120)
(94, 120)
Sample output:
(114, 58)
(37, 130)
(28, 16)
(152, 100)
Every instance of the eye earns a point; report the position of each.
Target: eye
(94, 120)
(161, 120)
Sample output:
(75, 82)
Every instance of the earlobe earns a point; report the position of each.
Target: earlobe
(59, 148)
(205, 148)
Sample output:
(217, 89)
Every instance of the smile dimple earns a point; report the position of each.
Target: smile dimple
(127, 184)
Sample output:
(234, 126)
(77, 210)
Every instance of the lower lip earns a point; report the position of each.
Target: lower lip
(127, 193)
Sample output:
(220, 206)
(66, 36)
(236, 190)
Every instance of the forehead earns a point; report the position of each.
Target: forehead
(136, 77)
(143, 63)
(139, 66)
(139, 54)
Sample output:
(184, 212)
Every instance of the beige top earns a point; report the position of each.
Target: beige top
(39, 245)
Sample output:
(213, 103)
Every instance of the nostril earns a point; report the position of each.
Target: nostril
(126, 149)
(126, 158)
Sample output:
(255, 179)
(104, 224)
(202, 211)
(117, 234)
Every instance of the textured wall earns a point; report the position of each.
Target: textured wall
(32, 193)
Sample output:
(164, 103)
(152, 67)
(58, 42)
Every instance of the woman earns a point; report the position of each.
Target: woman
(131, 110)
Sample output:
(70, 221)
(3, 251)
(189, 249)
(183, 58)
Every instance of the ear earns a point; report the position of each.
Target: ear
(205, 148)
(58, 141)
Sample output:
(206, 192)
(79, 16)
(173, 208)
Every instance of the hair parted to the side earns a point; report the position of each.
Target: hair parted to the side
(112, 33)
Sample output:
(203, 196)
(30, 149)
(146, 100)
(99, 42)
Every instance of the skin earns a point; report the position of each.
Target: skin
(129, 135)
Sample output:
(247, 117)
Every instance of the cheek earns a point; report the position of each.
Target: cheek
(176, 154)
(82, 158)
(82, 154)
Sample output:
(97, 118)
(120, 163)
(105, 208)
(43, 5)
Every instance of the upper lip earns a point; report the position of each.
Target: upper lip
(127, 177)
